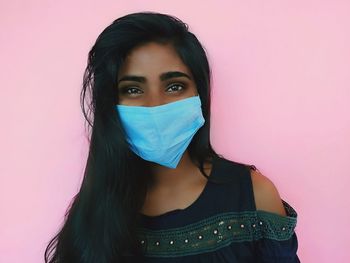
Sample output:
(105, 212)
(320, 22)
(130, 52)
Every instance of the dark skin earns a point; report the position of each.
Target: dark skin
(176, 188)
(173, 188)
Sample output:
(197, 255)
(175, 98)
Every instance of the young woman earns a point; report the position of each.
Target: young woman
(154, 190)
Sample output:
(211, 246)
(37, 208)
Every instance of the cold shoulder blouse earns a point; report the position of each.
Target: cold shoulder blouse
(221, 225)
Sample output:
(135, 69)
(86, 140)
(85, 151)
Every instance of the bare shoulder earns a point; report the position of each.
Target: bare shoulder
(266, 195)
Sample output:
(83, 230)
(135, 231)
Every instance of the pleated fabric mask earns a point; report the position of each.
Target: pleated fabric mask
(161, 134)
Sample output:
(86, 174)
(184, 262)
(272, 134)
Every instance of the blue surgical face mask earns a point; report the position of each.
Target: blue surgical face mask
(162, 133)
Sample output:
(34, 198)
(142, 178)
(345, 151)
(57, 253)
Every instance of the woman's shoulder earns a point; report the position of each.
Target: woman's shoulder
(266, 195)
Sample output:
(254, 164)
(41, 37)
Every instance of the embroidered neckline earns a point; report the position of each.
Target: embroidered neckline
(218, 231)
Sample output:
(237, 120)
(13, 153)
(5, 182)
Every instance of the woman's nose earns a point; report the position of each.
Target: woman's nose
(156, 101)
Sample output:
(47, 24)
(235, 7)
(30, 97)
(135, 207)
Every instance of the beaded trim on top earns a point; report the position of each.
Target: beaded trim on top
(218, 231)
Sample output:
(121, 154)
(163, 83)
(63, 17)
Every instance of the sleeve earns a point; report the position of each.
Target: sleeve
(276, 240)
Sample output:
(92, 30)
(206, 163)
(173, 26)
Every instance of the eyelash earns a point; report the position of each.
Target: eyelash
(125, 90)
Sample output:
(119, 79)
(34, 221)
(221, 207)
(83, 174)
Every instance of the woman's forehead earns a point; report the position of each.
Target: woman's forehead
(153, 58)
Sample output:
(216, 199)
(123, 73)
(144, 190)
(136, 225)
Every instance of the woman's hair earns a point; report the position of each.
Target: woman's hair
(101, 221)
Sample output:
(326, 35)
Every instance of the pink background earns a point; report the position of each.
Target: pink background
(280, 101)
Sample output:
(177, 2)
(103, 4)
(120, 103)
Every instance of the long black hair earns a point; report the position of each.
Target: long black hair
(101, 221)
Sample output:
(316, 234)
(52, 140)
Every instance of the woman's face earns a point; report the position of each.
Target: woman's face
(153, 75)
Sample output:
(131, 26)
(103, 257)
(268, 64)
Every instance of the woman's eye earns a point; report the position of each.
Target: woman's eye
(177, 85)
(134, 91)
(128, 90)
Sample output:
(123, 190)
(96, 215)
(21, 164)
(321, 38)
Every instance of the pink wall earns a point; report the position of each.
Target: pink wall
(280, 101)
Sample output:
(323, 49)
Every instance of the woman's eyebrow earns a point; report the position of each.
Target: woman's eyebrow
(162, 77)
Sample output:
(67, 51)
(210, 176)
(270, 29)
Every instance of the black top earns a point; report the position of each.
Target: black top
(221, 225)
